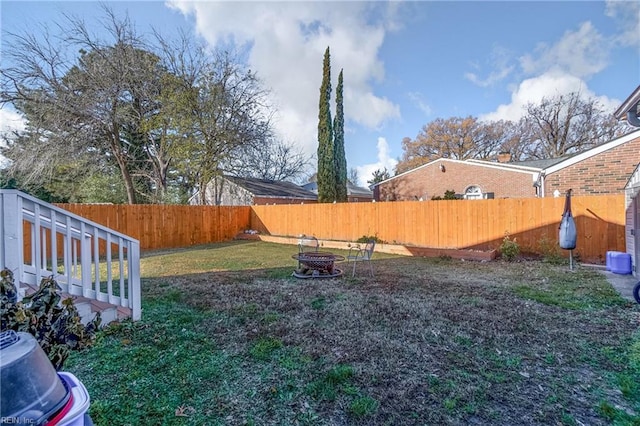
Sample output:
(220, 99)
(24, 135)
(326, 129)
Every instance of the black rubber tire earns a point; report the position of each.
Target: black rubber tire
(636, 292)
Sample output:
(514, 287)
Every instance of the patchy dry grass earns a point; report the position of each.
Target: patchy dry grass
(427, 341)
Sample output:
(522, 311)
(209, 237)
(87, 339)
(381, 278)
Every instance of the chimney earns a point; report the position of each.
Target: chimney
(504, 157)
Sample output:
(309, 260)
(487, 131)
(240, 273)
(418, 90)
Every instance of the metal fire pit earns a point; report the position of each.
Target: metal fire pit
(317, 264)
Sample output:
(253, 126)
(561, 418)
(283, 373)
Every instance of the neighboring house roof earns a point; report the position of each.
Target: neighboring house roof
(542, 164)
(353, 190)
(630, 104)
(546, 166)
(634, 179)
(514, 167)
(518, 166)
(358, 191)
(272, 189)
(592, 152)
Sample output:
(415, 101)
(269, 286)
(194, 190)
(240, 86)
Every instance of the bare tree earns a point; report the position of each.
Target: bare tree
(566, 124)
(457, 138)
(269, 159)
(94, 103)
(221, 111)
(172, 113)
(354, 176)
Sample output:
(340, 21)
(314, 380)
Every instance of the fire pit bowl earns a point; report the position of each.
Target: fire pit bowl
(317, 264)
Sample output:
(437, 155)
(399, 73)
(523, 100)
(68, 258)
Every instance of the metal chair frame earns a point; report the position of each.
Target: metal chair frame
(307, 244)
(361, 254)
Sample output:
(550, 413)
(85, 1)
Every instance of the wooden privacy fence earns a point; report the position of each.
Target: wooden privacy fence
(168, 226)
(459, 224)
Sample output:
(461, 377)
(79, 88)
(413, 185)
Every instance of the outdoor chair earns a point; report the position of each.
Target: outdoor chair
(307, 244)
(361, 254)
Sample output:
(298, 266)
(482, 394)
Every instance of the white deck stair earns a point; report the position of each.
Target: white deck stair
(98, 267)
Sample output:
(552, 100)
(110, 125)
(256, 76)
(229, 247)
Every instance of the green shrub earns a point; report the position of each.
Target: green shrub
(55, 323)
(509, 249)
(550, 251)
(448, 195)
(367, 238)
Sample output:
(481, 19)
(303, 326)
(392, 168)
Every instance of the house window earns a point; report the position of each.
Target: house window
(473, 193)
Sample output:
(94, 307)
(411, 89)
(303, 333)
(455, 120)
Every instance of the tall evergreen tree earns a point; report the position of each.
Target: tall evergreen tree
(338, 146)
(326, 164)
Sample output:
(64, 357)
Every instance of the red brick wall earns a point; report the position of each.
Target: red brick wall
(605, 173)
(430, 180)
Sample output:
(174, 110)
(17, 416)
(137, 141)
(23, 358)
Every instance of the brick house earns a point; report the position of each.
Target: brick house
(630, 111)
(469, 178)
(604, 169)
(236, 191)
(632, 223)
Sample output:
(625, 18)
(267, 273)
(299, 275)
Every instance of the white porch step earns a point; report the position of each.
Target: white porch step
(87, 308)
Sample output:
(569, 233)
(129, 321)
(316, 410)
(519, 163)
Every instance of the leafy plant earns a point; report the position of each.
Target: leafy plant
(449, 194)
(550, 250)
(55, 323)
(367, 238)
(509, 249)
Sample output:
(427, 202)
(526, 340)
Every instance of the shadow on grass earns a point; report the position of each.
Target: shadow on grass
(425, 341)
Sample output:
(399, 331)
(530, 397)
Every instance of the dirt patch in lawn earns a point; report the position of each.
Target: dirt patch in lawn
(426, 341)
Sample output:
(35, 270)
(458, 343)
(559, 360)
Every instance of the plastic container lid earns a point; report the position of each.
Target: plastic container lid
(30, 389)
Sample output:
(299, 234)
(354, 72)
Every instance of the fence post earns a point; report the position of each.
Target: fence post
(11, 250)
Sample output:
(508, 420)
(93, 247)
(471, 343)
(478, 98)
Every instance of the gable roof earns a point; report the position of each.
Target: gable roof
(513, 167)
(547, 166)
(358, 191)
(634, 179)
(354, 190)
(272, 188)
(629, 104)
(592, 152)
(544, 163)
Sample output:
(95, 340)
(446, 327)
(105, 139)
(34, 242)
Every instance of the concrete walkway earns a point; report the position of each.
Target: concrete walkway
(624, 284)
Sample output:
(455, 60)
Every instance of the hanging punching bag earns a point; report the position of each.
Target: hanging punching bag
(568, 233)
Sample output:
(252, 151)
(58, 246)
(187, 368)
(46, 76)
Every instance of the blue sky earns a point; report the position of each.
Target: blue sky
(405, 63)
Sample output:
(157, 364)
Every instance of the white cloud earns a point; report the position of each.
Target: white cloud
(580, 53)
(10, 121)
(365, 172)
(500, 60)
(418, 100)
(550, 84)
(627, 15)
(286, 41)
(563, 67)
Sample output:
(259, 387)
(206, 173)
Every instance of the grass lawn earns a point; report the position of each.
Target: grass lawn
(228, 337)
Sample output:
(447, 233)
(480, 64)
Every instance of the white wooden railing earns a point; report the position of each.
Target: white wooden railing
(86, 259)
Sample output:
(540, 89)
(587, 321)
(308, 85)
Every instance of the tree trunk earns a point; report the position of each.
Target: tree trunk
(122, 164)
